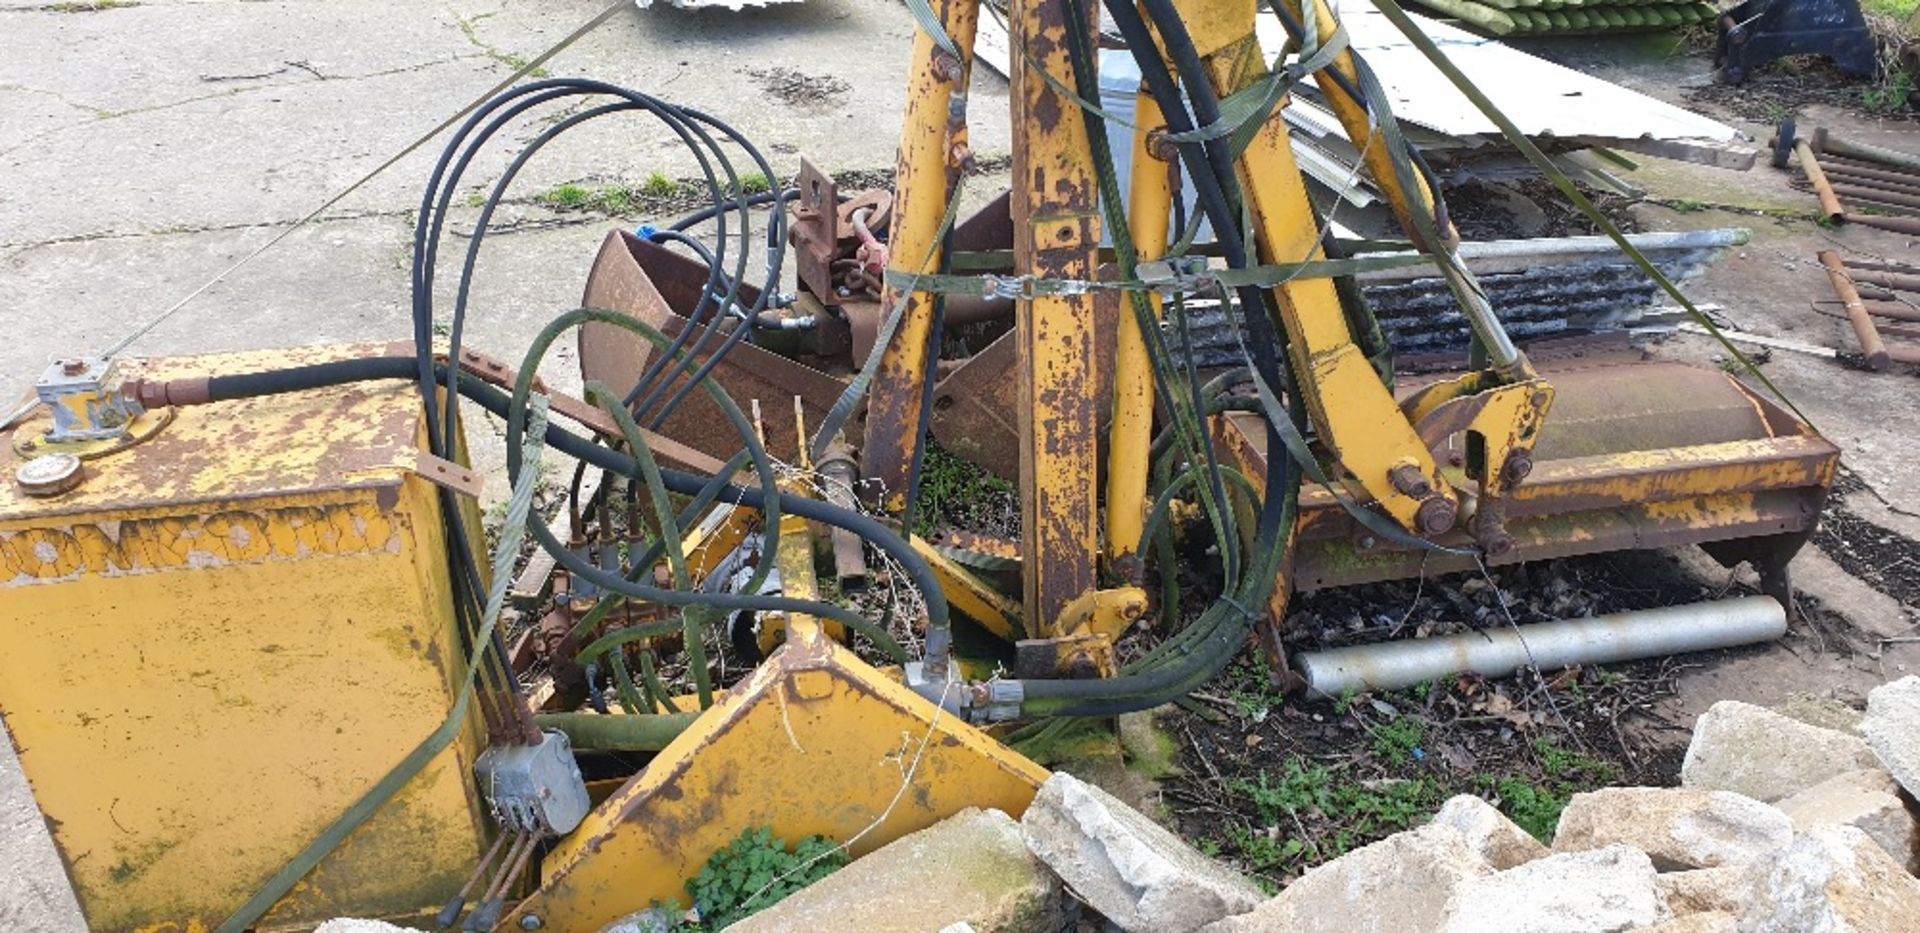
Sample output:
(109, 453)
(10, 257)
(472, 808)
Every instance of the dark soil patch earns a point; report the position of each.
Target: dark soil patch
(1528, 207)
(1278, 783)
(1882, 558)
(799, 89)
(1784, 88)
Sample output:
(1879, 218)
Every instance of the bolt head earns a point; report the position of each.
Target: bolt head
(74, 366)
(1519, 465)
(531, 922)
(1436, 516)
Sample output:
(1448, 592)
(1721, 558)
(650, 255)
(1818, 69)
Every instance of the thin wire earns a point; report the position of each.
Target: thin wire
(523, 71)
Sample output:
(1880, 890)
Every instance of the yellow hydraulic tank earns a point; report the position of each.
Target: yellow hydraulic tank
(223, 637)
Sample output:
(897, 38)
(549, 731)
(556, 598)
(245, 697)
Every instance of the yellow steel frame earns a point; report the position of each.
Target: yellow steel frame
(933, 151)
(1130, 438)
(1056, 234)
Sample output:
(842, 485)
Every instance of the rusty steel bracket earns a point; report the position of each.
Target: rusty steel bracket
(815, 231)
(1104, 612)
(447, 474)
(1498, 425)
(971, 596)
(1076, 656)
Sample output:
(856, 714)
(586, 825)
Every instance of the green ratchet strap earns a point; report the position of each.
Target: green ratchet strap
(519, 507)
(1181, 274)
(929, 23)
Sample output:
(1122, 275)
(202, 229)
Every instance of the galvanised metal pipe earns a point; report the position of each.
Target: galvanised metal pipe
(1499, 651)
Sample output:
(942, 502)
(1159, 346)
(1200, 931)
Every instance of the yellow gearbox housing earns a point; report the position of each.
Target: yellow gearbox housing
(223, 637)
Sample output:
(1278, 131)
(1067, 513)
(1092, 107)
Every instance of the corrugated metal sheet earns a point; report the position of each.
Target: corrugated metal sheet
(1542, 98)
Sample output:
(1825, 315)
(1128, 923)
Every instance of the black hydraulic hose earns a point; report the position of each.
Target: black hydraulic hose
(691, 242)
(323, 375)
(708, 213)
(466, 574)
(776, 254)
(715, 275)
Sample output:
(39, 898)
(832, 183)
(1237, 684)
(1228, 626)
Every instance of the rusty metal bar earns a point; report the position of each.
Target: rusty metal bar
(1885, 330)
(1909, 226)
(1891, 310)
(1895, 280)
(1829, 202)
(1863, 328)
(1825, 142)
(1897, 180)
(1877, 196)
(933, 153)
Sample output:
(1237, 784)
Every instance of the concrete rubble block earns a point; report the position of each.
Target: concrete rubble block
(1892, 728)
(1754, 751)
(1489, 833)
(1869, 801)
(1832, 879)
(1397, 885)
(1711, 922)
(1825, 712)
(1678, 827)
(1601, 891)
(970, 868)
(1705, 890)
(1129, 868)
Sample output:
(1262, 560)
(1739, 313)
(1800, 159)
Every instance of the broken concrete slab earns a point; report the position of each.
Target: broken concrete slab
(1600, 891)
(1833, 879)
(1126, 866)
(1755, 751)
(1400, 884)
(1892, 728)
(1705, 890)
(1825, 712)
(972, 867)
(1869, 801)
(1710, 922)
(1151, 752)
(1679, 828)
(357, 925)
(1489, 833)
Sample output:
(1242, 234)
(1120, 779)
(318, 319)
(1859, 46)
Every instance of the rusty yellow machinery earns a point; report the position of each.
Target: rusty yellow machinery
(249, 606)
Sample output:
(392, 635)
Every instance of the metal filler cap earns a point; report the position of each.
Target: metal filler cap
(48, 475)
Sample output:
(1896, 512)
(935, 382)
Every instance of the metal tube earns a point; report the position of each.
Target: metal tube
(1863, 326)
(1824, 142)
(1878, 196)
(1894, 280)
(1891, 310)
(1896, 181)
(1497, 652)
(1829, 202)
(1906, 225)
